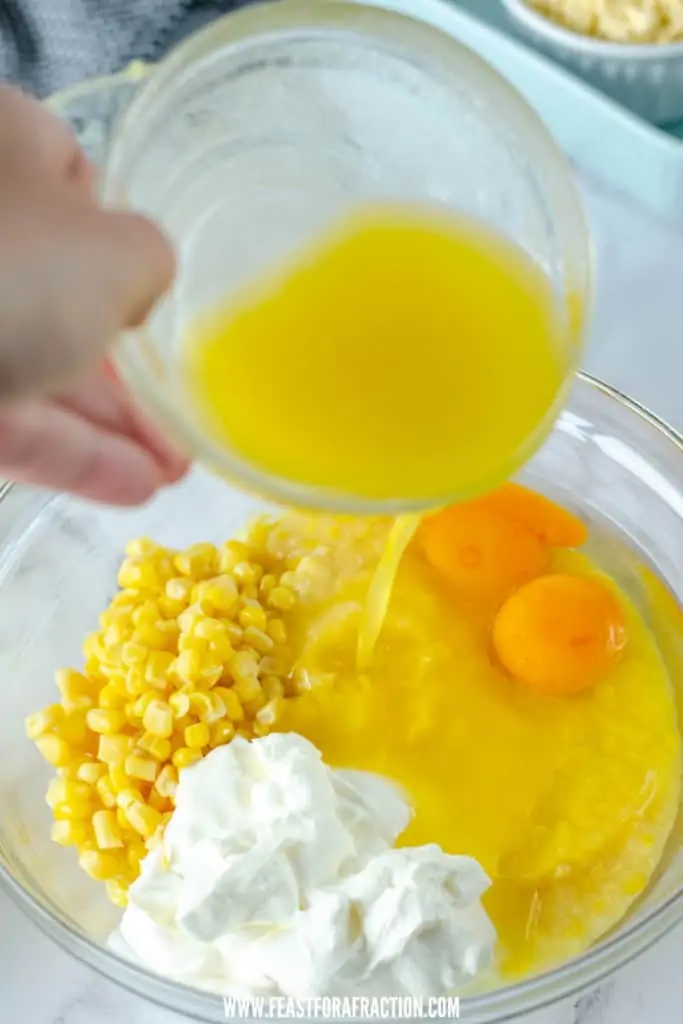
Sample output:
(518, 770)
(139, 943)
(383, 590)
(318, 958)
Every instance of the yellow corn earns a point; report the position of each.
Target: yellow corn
(126, 797)
(273, 687)
(277, 631)
(143, 702)
(231, 702)
(157, 746)
(197, 735)
(117, 893)
(187, 667)
(158, 718)
(185, 756)
(180, 703)
(40, 722)
(158, 802)
(266, 584)
(119, 777)
(113, 749)
(77, 692)
(231, 554)
(66, 791)
(143, 768)
(143, 818)
(141, 547)
(258, 640)
(281, 598)
(138, 573)
(253, 615)
(179, 589)
(248, 690)
(99, 865)
(106, 828)
(106, 791)
(167, 781)
(221, 733)
(111, 698)
(91, 771)
(270, 712)
(105, 720)
(199, 561)
(244, 666)
(157, 668)
(54, 749)
(69, 833)
(133, 655)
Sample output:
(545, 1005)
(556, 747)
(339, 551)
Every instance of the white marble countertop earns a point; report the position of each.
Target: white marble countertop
(638, 346)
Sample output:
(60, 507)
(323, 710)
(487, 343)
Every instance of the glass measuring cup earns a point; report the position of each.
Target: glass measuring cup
(258, 131)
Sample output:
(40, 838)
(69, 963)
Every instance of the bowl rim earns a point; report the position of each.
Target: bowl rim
(570, 39)
(533, 994)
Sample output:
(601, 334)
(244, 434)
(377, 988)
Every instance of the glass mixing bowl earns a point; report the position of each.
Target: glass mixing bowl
(262, 129)
(608, 459)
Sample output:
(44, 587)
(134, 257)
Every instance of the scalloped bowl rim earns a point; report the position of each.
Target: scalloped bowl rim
(540, 24)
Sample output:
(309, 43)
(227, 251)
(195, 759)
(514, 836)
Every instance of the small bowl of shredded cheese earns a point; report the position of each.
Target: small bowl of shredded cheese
(630, 49)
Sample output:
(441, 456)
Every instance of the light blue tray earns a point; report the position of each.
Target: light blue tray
(641, 160)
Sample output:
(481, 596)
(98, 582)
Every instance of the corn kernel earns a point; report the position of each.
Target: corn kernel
(106, 829)
(75, 689)
(266, 584)
(133, 655)
(197, 735)
(180, 703)
(54, 749)
(106, 791)
(190, 618)
(157, 746)
(135, 853)
(119, 777)
(68, 833)
(186, 667)
(110, 698)
(157, 668)
(91, 771)
(248, 690)
(135, 682)
(221, 733)
(253, 615)
(62, 791)
(98, 865)
(273, 687)
(113, 749)
(208, 707)
(117, 893)
(234, 633)
(158, 802)
(143, 702)
(74, 729)
(277, 631)
(185, 756)
(143, 818)
(247, 573)
(116, 635)
(148, 635)
(281, 598)
(158, 718)
(122, 819)
(144, 768)
(231, 554)
(231, 702)
(210, 629)
(138, 573)
(167, 781)
(270, 712)
(40, 722)
(199, 561)
(105, 720)
(244, 666)
(77, 810)
(179, 589)
(142, 547)
(258, 640)
(126, 797)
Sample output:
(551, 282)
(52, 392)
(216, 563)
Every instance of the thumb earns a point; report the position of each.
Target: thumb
(138, 266)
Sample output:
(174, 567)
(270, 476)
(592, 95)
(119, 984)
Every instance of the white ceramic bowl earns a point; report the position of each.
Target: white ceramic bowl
(646, 78)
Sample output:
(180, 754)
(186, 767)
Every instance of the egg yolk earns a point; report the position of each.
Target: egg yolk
(560, 634)
(549, 522)
(482, 553)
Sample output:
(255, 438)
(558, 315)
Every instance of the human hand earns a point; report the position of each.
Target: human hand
(72, 276)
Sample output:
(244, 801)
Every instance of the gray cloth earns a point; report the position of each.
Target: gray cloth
(47, 45)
